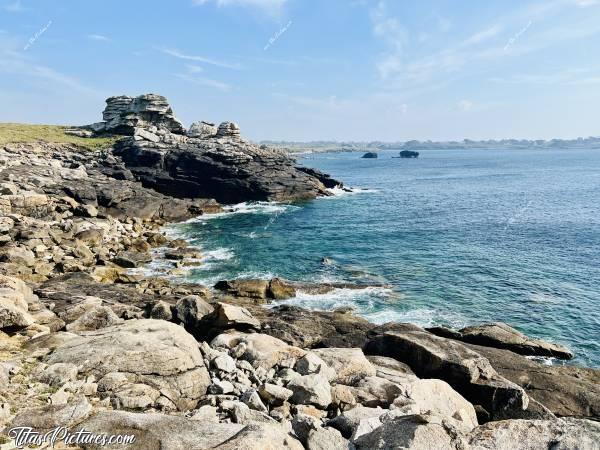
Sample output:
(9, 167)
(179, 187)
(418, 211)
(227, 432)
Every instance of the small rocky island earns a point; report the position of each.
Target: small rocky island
(370, 155)
(409, 154)
(88, 341)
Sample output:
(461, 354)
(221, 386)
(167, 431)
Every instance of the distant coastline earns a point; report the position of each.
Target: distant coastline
(334, 146)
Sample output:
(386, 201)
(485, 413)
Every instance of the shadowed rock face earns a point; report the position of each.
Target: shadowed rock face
(225, 168)
(207, 161)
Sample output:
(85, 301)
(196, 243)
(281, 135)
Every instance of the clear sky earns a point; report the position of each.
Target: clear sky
(312, 69)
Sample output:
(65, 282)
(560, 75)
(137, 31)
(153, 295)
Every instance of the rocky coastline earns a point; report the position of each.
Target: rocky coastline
(87, 342)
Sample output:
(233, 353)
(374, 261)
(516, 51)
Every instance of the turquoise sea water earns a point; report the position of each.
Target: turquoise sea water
(460, 236)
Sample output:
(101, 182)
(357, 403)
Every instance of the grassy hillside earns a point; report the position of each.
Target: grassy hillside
(18, 132)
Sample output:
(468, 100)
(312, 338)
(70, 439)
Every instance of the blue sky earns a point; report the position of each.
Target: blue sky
(312, 69)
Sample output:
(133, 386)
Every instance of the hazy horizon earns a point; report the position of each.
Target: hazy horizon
(304, 71)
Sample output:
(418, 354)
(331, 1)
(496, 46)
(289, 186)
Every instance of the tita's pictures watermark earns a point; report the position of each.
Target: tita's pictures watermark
(26, 436)
(35, 37)
(277, 35)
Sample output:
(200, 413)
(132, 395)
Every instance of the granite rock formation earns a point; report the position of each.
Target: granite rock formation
(205, 162)
(123, 114)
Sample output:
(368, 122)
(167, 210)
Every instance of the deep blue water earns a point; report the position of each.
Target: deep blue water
(461, 236)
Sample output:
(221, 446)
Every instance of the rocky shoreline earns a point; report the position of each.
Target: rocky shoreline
(87, 343)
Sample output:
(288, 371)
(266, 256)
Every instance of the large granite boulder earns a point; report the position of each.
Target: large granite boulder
(15, 297)
(258, 349)
(155, 353)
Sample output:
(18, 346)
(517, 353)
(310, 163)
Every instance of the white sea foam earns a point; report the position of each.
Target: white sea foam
(219, 254)
(361, 300)
(248, 208)
(341, 192)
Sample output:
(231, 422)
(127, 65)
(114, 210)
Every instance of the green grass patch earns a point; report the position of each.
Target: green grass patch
(18, 132)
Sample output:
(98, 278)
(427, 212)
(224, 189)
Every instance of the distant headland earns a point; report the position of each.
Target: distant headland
(592, 142)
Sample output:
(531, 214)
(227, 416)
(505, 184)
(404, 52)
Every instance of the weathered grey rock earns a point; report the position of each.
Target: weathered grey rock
(228, 129)
(434, 397)
(205, 413)
(273, 394)
(154, 352)
(191, 309)
(123, 114)
(224, 363)
(135, 396)
(250, 288)
(220, 387)
(500, 335)
(160, 432)
(94, 319)
(142, 134)
(414, 432)
(349, 421)
(261, 437)
(13, 317)
(559, 434)
(311, 363)
(242, 414)
(349, 364)
(132, 259)
(161, 310)
(260, 350)
(326, 439)
(227, 316)
(17, 255)
(303, 424)
(252, 399)
(375, 391)
(47, 417)
(202, 130)
(311, 390)
(58, 374)
(464, 369)
(280, 289)
(392, 370)
(342, 397)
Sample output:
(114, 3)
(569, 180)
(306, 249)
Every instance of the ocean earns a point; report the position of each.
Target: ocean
(453, 238)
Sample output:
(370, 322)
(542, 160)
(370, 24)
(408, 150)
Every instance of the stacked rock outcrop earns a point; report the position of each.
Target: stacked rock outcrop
(123, 114)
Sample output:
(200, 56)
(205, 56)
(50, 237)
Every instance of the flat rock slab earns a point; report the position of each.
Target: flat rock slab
(500, 335)
(160, 432)
(559, 434)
